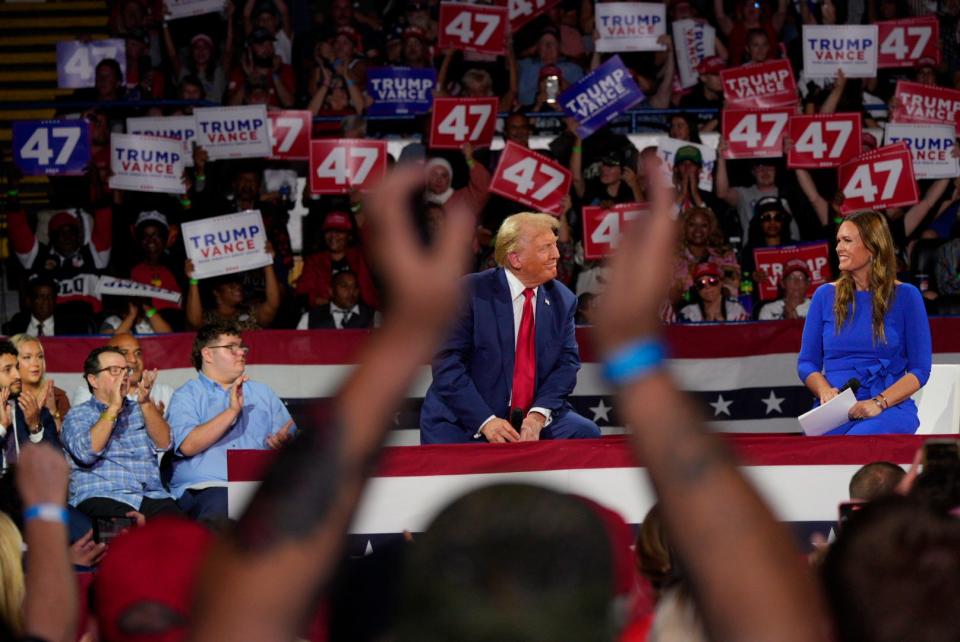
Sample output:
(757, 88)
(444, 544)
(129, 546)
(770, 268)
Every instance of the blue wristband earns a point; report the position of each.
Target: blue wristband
(46, 513)
(633, 361)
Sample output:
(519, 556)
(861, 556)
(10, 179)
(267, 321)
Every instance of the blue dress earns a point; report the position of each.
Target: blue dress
(852, 353)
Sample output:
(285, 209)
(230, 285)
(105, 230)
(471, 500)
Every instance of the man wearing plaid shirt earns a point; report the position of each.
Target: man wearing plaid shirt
(113, 442)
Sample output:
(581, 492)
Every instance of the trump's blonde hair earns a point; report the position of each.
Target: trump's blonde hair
(509, 238)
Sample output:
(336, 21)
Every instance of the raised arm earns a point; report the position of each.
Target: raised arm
(194, 307)
(509, 97)
(576, 161)
(918, 212)
(267, 310)
(169, 47)
(751, 582)
(661, 99)
(723, 20)
(779, 16)
(829, 105)
(290, 536)
(723, 189)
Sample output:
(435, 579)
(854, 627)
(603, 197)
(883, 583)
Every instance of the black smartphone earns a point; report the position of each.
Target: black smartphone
(845, 510)
(106, 528)
(940, 453)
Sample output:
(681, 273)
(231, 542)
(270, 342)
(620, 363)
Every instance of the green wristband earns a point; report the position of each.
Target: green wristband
(151, 312)
(194, 281)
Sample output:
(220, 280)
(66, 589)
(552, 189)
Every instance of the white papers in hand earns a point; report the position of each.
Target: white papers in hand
(828, 416)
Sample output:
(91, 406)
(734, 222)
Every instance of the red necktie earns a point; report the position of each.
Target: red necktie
(525, 363)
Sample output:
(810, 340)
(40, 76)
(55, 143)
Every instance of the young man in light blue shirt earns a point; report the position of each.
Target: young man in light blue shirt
(219, 411)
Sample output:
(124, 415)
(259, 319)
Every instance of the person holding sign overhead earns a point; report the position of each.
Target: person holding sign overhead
(507, 368)
(867, 326)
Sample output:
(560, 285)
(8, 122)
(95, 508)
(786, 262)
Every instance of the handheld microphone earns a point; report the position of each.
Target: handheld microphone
(853, 384)
(516, 419)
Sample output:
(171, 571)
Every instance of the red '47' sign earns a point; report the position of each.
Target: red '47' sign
(473, 27)
(602, 228)
(879, 179)
(769, 84)
(904, 42)
(755, 134)
(290, 134)
(529, 178)
(339, 165)
(523, 11)
(456, 121)
(824, 140)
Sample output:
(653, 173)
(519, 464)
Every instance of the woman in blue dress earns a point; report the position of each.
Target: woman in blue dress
(867, 325)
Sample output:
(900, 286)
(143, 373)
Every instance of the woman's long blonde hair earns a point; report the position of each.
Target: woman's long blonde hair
(876, 237)
(12, 582)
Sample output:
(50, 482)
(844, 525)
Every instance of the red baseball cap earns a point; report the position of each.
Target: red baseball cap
(353, 35)
(926, 61)
(796, 265)
(154, 567)
(550, 70)
(337, 221)
(712, 65)
(62, 219)
(868, 141)
(706, 269)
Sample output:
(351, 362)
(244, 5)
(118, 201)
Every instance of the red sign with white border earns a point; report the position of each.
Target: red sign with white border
(824, 140)
(879, 179)
(770, 262)
(904, 42)
(523, 11)
(917, 103)
(603, 227)
(527, 177)
(755, 133)
(338, 166)
(290, 134)
(761, 86)
(473, 27)
(457, 121)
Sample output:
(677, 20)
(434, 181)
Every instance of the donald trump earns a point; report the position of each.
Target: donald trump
(511, 361)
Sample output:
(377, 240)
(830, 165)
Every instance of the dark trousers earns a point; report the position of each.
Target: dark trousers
(207, 505)
(106, 507)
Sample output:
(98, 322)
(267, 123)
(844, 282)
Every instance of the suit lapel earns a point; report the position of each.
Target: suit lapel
(543, 336)
(503, 310)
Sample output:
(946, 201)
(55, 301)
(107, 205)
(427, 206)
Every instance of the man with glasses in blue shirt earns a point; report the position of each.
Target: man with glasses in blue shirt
(220, 410)
(113, 443)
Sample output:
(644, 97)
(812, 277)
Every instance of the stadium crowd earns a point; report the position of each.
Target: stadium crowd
(889, 574)
(252, 54)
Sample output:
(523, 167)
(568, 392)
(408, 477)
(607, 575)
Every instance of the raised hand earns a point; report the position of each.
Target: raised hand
(48, 396)
(115, 398)
(236, 394)
(42, 475)
(31, 409)
(6, 415)
(86, 552)
(279, 438)
(146, 385)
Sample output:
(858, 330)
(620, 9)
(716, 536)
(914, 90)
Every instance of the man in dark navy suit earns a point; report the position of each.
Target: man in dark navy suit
(505, 372)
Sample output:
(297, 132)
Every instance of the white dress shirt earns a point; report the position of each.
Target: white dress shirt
(516, 297)
(35, 324)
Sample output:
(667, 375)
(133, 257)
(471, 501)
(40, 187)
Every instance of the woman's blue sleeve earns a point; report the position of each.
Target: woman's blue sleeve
(810, 359)
(917, 333)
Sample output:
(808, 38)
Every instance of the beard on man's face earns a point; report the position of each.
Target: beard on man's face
(15, 389)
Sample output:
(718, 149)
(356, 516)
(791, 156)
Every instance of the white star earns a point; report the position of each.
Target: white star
(601, 410)
(721, 406)
(773, 403)
(368, 549)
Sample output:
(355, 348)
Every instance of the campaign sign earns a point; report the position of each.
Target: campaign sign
(290, 134)
(338, 166)
(852, 48)
(51, 147)
(473, 27)
(667, 151)
(126, 287)
(146, 164)
(917, 103)
(630, 26)
(527, 177)
(770, 262)
(177, 9)
(182, 128)
(77, 61)
(824, 140)
(603, 227)
(768, 84)
(398, 91)
(233, 132)
(904, 42)
(456, 121)
(878, 179)
(693, 40)
(225, 244)
(521, 12)
(755, 134)
(601, 96)
(931, 148)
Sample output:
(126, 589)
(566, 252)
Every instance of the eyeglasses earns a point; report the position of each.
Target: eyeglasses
(707, 281)
(234, 348)
(768, 218)
(116, 370)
